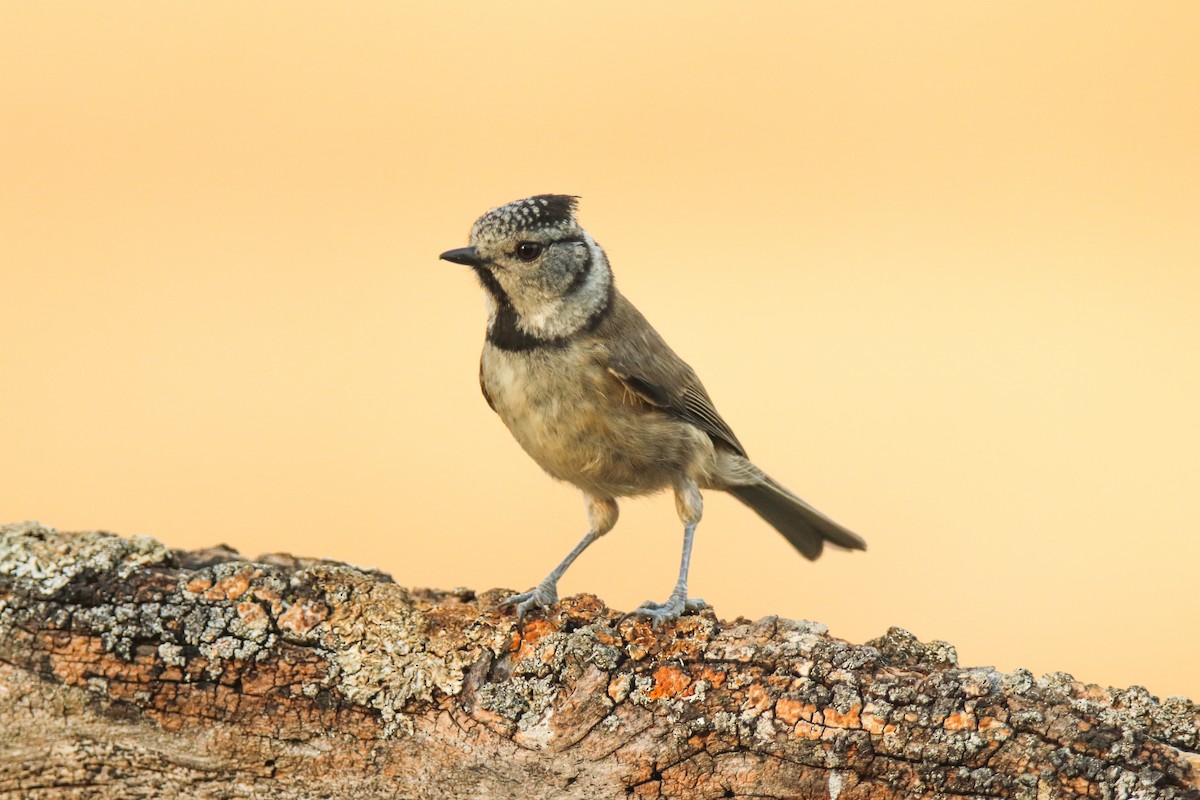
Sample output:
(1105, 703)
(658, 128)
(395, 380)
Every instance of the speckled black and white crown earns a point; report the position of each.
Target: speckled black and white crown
(538, 213)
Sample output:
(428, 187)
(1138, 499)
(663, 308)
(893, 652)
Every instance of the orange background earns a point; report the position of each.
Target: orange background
(938, 264)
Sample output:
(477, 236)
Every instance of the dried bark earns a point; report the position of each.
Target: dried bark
(129, 670)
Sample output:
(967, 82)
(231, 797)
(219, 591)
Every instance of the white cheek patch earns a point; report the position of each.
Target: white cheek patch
(562, 316)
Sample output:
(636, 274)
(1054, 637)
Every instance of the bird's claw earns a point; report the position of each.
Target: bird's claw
(543, 595)
(676, 606)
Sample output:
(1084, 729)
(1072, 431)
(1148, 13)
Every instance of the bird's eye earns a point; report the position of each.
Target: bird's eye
(528, 251)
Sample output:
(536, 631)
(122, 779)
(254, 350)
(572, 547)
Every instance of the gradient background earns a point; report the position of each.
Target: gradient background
(938, 264)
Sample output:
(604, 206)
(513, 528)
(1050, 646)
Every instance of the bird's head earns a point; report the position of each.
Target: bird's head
(538, 266)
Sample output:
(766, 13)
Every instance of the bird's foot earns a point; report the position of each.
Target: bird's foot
(544, 595)
(676, 606)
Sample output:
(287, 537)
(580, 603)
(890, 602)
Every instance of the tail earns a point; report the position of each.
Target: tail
(806, 528)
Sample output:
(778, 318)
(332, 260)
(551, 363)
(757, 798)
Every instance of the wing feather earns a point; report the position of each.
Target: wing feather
(638, 357)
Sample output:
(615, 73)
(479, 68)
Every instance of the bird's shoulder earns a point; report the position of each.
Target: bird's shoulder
(629, 347)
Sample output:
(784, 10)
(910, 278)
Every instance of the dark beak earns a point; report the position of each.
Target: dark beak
(463, 255)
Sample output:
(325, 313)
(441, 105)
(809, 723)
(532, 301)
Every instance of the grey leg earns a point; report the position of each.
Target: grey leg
(690, 506)
(602, 514)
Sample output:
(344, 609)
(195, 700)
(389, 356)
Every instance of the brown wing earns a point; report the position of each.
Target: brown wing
(638, 357)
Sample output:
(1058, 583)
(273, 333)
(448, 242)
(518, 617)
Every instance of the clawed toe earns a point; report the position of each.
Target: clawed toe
(543, 595)
(675, 607)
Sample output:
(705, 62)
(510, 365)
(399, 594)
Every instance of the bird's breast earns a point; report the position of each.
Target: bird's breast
(580, 425)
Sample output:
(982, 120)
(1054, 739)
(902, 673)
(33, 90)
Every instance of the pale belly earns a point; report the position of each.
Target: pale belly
(577, 422)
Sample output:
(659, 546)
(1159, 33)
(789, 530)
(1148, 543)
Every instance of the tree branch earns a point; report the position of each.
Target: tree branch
(129, 670)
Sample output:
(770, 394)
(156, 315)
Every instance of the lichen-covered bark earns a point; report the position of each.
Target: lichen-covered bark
(129, 670)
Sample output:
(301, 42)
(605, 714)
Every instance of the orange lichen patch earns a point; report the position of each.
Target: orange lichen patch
(757, 698)
(832, 734)
(791, 711)
(876, 725)
(198, 585)
(252, 614)
(836, 719)
(637, 652)
(231, 587)
(781, 682)
(532, 633)
(582, 608)
(689, 641)
(873, 722)
(618, 688)
(807, 730)
(714, 677)
(639, 637)
(269, 597)
(669, 681)
(996, 728)
(302, 617)
(960, 720)
(607, 639)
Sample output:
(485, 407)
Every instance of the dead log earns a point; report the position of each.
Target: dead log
(129, 670)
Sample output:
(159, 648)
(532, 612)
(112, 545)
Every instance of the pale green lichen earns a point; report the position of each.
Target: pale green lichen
(381, 647)
(535, 683)
(171, 654)
(45, 561)
(522, 699)
(378, 644)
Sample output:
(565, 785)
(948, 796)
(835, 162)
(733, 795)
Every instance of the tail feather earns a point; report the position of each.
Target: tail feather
(802, 525)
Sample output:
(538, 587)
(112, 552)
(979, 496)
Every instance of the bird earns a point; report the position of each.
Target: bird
(597, 398)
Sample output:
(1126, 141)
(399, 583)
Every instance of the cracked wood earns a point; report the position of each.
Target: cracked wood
(129, 670)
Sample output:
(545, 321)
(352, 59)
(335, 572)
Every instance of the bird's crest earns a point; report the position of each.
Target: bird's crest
(530, 214)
